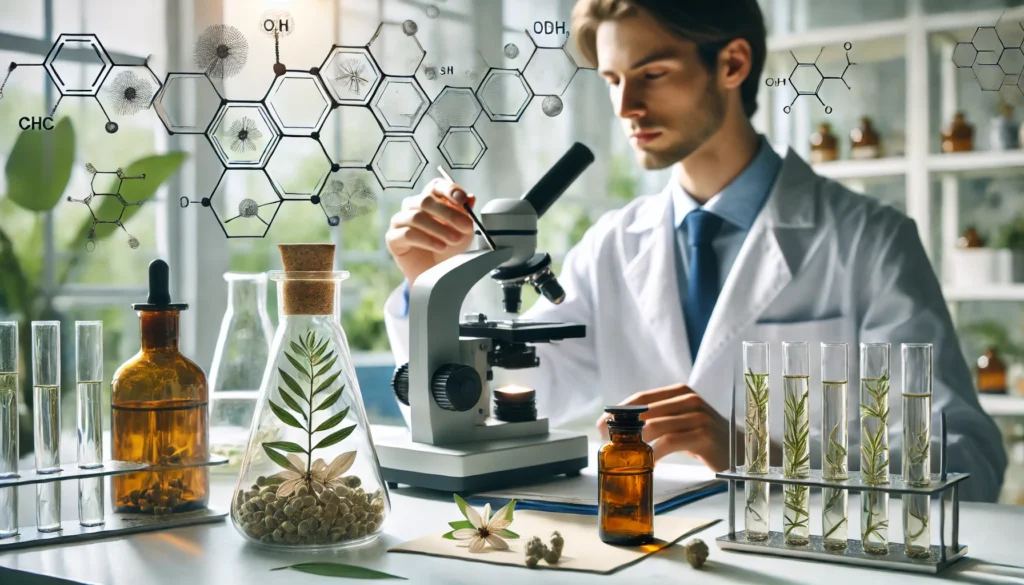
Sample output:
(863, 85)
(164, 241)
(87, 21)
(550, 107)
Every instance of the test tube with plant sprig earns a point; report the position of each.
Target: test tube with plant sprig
(796, 457)
(834, 444)
(755, 368)
(917, 415)
(8, 426)
(874, 445)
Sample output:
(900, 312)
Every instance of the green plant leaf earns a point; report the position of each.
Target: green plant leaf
(331, 422)
(329, 401)
(285, 416)
(460, 524)
(298, 349)
(298, 366)
(39, 166)
(337, 437)
(327, 383)
(320, 351)
(292, 384)
(292, 404)
(507, 533)
(327, 367)
(157, 169)
(285, 446)
(462, 505)
(511, 510)
(279, 458)
(15, 286)
(339, 570)
(449, 535)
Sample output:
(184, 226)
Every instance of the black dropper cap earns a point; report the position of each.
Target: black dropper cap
(626, 417)
(159, 290)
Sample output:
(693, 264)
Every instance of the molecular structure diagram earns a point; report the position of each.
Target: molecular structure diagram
(111, 213)
(122, 89)
(807, 78)
(995, 56)
(375, 95)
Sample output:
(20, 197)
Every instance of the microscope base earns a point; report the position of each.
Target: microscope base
(480, 466)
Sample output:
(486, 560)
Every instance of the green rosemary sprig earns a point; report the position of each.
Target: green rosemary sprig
(917, 453)
(313, 358)
(875, 446)
(835, 456)
(752, 499)
(795, 436)
(797, 504)
(923, 519)
(757, 422)
(832, 509)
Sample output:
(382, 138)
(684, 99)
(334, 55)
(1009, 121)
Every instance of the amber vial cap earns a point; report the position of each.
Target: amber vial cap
(159, 290)
(625, 418)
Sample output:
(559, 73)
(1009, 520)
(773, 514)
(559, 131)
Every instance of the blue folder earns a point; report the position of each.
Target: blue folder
(588, 510)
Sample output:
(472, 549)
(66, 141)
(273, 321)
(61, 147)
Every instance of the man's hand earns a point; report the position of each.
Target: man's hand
(678, 419)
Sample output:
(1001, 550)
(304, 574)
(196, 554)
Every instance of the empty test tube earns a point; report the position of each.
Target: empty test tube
(8, 426)
(89, 366)
(46, 401)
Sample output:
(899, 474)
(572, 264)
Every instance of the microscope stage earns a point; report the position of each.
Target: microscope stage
(482, 465)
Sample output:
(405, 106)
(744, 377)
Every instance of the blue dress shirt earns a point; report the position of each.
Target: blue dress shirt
(738, 204)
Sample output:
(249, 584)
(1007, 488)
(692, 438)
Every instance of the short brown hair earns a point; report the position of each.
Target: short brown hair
(710, 24)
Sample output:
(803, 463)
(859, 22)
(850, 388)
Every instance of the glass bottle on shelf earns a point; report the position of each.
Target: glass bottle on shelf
(236, 373)
(1002, 132)
(970, 239)
(310, 477)
(824, 146)
(991, 373)
(958, 136)
(160, 411)
(865, 140)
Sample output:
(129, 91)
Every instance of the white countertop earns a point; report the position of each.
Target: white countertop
(215, 554)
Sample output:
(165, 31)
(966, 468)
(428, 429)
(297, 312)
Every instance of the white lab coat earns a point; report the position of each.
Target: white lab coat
(820, 264)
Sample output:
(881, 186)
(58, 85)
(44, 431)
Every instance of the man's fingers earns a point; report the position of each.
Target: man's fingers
(413, 238)
(691, 402)
(665, 425)
(422, 220)
(455, 217)
(658, 394)
(692, 441)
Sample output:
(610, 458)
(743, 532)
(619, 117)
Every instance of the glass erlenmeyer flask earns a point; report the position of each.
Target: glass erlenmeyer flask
(242, 349)
(316, 483)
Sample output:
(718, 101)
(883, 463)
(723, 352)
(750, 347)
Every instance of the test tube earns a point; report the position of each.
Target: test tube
(835, 438)
(917, 418)
(89, 366)
(8, 426)
(46, 402)
(755, 375)
(796, 454)
(874, 445)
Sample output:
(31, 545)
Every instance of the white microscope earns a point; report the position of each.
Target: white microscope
(457, 442)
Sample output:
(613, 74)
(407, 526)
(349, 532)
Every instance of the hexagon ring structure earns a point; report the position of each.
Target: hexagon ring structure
(504, 95)
(462, 148)
(454, 106)
(298, 103)
(399, 162)
(173, 99)
(350, 75)
(243, 135)
(93, 52)
(399, 104)
(245, 203)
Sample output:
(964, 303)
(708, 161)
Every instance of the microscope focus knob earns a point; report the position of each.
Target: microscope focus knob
(400, 383)
(456, 387)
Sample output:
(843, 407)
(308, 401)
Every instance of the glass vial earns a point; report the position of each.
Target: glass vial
(310, 477)
(835, 438)
(160, 410)
(8, 426)
(917, 417)
(874, 445)
(755, 376)
(243, 346)
(625, 468)
(796, 454)
(89, 367)
(46, 403)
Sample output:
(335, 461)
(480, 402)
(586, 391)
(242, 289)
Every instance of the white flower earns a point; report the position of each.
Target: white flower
(320, 476)
(487, 529)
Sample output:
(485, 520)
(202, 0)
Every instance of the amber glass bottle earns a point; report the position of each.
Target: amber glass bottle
(991, 373)
(625, 469)
(159, 403)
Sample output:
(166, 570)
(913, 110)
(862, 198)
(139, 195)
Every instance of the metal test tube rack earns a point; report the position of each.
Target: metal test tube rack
(116, 523)
(941, 556)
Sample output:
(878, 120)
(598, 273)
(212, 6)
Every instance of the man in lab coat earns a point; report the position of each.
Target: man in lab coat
(742, 244)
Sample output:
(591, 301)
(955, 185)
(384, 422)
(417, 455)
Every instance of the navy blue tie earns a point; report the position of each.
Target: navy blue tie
(702, 274)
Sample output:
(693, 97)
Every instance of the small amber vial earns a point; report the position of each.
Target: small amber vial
(625, 472)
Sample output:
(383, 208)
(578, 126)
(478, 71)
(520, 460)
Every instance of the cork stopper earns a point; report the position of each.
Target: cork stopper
(308, 296)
